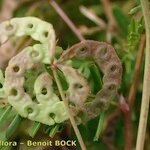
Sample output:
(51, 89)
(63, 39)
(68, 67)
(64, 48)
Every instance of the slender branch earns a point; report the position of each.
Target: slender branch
(108, 11)
(89, 30)
(146, 84)
(77, 32)
(111, 20)
(124, 107)
(66, 19)
(132, 94)
(77, 132)
(7, 9)
(138, 64)
(100, 126)
(93, 17)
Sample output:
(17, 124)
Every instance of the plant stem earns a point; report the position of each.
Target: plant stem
(93, 17)
(146, 85)
(124, 107)
(100, 126)
(77, 132)
(111, 20)
(132, 94)
(4, 115)
(136, 76)
(108, 10)
(77, 32)
(128, 130)
(13, 127)
(66, 19)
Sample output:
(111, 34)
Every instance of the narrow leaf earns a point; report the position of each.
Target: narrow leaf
(4, 115)
(36, 126)
(54, 130)
(13, 126)
(100, 126)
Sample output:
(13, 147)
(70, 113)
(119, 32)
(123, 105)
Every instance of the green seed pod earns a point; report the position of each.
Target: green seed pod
(30, 26)
(47, 108)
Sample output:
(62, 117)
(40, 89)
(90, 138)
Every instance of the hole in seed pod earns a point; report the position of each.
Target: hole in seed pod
(72, 104)
(16, 68)
(103, 51)
(30, 25)
(113, 68)
(44, 91)
(34, 54)
(82, 50)
(78, 86)
(14, 92)
(81, 114)
(111, 87)
(9, 27)
(109, 134)
(52, 115)
(45, 33)
(1, 85)
(29, 110)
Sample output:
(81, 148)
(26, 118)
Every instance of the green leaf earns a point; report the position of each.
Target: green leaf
(122, 20)
(96, 77)
(57, 128)
(52, 130)
(135, 29)
(13, 126)
(100, 126)
(135, 10)
(4, 115)
(36, 126)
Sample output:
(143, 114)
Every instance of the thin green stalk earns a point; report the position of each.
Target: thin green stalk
(13, 126)
(72, 120)
(100, 126)
(34, 129)
(66, 19)
(146, 85)
(4, 115)
(54, 130)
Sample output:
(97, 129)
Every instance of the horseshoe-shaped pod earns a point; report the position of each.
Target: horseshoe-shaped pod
(30, 26)
(108, 62)
(47, 108)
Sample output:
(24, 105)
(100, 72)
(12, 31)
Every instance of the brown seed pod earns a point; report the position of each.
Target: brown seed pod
(78, 86)
(108, 62)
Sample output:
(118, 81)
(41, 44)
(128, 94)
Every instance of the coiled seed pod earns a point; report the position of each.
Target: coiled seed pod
(46, 107)
(108, 62)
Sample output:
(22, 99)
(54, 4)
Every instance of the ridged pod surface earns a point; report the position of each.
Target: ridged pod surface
(44, 105)
(46, 108)
(7, 51)
(78, 90)
(108, 62)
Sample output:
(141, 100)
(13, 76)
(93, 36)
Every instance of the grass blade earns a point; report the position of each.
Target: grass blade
(100, 126)
(13, 126)
(4, 115)
(57, 128)
(36, 126)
